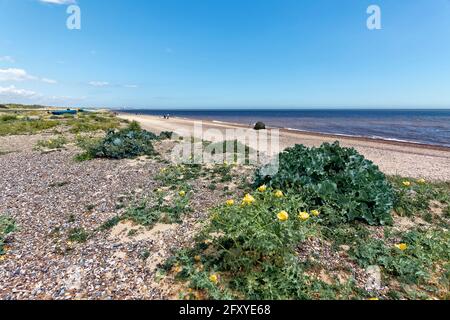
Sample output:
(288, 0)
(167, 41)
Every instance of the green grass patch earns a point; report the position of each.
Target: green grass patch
(52, 144)
(92, 122)
(14, 125)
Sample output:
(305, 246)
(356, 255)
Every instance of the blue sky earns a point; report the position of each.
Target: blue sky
(226, 54)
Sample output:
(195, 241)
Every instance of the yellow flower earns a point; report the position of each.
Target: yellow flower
(402, 246)
(407, 183)
(214, 278)
(197, 258)
(421, 181)
(283, 216)
(279, 194)
(315, 213)
(177, 269)
(230, 202)
(248, 199)
(303, 216)
(263, 188)
(374, 299)
(182, 193)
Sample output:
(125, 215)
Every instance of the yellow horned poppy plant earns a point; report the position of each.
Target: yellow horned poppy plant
(402, 246)
(230, 202)
(248, 199)
(283, 216)
(315, 213)
(279, 194)
(263, 188)
(214, 278)
(303, 216)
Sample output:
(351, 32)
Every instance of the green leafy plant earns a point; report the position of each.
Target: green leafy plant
(149, 211)
(179, 174)
(248, 251)
(414, 196)
(340, 180)
(7, 226)
(130, 142)
(142, 214)
(422, 254)
(78, 235)
(111, 223)
(166, 135)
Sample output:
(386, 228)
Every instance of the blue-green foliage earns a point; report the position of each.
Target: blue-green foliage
(122, 144)
(340, 180)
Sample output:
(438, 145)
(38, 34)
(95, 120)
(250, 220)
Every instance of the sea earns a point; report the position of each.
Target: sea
(418, 126)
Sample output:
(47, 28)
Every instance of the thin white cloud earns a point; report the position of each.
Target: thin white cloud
(12, 74)
(132, 86)
(49, 81)
(7, 59)
(13, 92)
(99, 83)
(58, 1)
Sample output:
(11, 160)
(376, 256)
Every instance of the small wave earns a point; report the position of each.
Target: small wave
(370, 137)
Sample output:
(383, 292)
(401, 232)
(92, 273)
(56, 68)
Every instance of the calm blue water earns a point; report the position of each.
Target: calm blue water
(422, 126)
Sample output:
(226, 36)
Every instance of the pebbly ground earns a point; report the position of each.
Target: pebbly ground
(50, 194)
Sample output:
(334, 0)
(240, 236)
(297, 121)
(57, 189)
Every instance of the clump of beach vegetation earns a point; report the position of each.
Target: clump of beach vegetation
(52, 144)
(125, 143)
(339, 181)
(7, 226)
(252, 246)
(11, 124)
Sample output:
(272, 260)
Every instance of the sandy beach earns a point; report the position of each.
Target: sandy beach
(393, 158)
(101, 229)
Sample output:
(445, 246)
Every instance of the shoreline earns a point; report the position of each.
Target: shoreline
(394, 158)
(306, 132)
